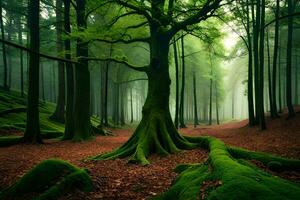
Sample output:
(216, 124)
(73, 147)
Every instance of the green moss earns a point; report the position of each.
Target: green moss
(49, 180)
(17, 121)
(9, 140)
(6, 141)
(238, 179)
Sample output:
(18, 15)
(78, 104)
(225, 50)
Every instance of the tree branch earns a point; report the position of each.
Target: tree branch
(141, 69)
(38, 53)
(145, 40)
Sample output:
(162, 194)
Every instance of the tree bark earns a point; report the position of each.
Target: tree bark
(275, 56)
(196, 121)
(69, 120)
(289, 61)
(177, 83)
(181, 112)
(4, 55)
(59, 113)
(252, 120)
(82, 126)
(262, 122)
(32, 132)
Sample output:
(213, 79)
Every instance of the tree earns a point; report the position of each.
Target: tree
(156, 132)
(181, 107)
(5, 85)
(177, 83)
(82, 126)
(196, 121)
(59, 113)
(69, 120)
(32, 132)
(289, 61)
(275, 57)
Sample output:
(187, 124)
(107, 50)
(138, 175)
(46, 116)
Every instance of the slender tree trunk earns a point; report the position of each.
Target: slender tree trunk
(252, 120)
(210, 92)
(131, 106)
(275, 56)
(217, 103)
(59, 113)
(196, 121)
(69, 120)
(289, 61)
(296, 80)
(4, 55)
(280, 82)
(177, 83)
(269, 78)
(82, 126)
(42, 82)
(21, 56)
(9, 50)
(262, 122)
(256, 26)
(32, 131)
(106, 90)
(181, 115)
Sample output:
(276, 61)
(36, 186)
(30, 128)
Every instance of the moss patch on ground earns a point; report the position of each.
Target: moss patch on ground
(235, 178)
(50, 179)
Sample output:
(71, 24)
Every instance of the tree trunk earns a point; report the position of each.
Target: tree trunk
(196, 121)
(269, 78)
(32, 131)
(256, 26)
(280, 82)
(262, 122)
(289, 61)
(217, 103)
(4, 56)
(42, 82)
(106, 90)
(275, 56)
(21, 56)
(156, 132)
(59, 113)
(210, 92)
(177, 83)
(69, 120)
(181, 109)
(82, 126)
(252, 120)
(131, 106)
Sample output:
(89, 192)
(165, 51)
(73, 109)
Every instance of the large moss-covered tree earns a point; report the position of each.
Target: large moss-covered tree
(156, 132)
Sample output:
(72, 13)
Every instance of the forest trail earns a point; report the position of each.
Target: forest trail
(115, 179)
(281, 137)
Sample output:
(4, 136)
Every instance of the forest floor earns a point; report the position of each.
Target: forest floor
(116, 179)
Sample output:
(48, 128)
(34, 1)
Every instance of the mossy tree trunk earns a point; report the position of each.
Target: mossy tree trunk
(69, 120)
(32, 133)
(82, 126)
(156, 132)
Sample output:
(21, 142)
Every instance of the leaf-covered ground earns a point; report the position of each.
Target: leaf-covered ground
(116, 179)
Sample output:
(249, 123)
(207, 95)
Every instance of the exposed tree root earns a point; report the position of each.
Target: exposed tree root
(237, 179)
(155, 134)
(49, 180)
(100, 131)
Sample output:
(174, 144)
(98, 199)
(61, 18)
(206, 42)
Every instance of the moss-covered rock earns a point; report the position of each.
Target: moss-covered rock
(236, 180)
(50, 179)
